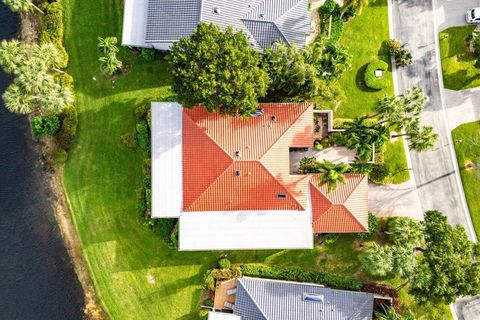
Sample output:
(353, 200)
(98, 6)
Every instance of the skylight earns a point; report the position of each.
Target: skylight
(310, 297)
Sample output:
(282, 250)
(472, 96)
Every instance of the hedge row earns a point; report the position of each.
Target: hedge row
(67, 135)
(299, 275)
(371, 81)
(51, 28)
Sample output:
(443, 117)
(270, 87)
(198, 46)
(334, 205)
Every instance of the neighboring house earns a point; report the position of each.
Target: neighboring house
(263, 299)
(228, 180)
(160, 23)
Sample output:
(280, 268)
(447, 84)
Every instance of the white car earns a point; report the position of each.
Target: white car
(473, 15)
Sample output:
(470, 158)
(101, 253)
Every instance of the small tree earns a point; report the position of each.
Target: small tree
(402, 56)
(21, 5)
(421, 138)
(377, 260)
(218, 69)
(309, 165)
(288, 70)
(330, 61)
(403, 230)
(450, 266)
(361, 137)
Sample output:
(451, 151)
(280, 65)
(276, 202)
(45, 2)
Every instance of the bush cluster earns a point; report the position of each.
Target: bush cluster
(147, 54)
(48, 125)
(224, 263)
(371, 81)
(331, 20)
(299, 275)
(143, 137)
(60, 156)
(67, 135)
(349, 12)
(51, 28)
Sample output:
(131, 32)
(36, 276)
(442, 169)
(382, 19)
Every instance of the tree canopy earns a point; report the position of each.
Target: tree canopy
(218, 69)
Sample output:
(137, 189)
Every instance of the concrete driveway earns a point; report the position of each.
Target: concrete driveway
(451, 13)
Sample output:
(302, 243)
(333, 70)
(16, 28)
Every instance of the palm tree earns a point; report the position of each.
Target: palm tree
(56, 98)
(47, 55)
(22, 6)
(424, 139)
(361, 137)
(12, 54)
(17, 101)
(403, 230)
(391, 314)
(332, 173)
(377, 260)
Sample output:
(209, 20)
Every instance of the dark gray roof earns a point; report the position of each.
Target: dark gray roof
(264, 21)
(262, 299)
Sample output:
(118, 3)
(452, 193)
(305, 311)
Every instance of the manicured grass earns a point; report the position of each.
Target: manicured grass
(467, 149)
(458, 63)
(397, 165)
(134, 273)
(365, 36)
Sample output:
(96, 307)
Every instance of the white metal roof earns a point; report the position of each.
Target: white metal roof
(222, 316)
(135, 23)
(167, 185)
(244, 230)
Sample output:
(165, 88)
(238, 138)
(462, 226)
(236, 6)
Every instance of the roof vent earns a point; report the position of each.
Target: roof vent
(237, 154)
(216, 10)
(258, 112)
(262, 15)
(281, 195)
(273, 118)
(237, 173)
(309, 297)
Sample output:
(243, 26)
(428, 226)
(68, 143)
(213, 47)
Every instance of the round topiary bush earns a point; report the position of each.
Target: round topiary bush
(224, 263)
(371, 79)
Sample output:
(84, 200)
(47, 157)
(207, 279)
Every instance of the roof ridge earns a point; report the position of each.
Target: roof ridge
(266, 21)
(308, 105)
(286, 12)
(280, 183)
(239, 281)
(220, 148)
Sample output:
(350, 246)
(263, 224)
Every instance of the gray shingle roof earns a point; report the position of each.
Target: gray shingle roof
(264, 21)
(262, 299)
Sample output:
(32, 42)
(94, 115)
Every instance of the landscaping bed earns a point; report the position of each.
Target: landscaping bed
(458, 62)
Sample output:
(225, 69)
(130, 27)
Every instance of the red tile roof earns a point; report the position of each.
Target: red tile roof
(344, 209)
(216, 179)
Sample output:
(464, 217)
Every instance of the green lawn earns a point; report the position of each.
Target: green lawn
(396, 164)
(467, 149)
(458, 63)
(365, 36)
(136, 276)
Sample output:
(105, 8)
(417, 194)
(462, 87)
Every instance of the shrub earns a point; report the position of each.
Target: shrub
(209, 281)
(371, 81)
(148, 54)
(402, 55)
(349, 13)
(300, 275)
(163, 227)
(379, 173)
(361, 167)
(208, 302)
(203, 314)
(59, 155)
(148, 199)
(224, 263)
(48, 125)
(336, 29)
(329, 238)
(173, 241)
(140, 112)
(66, 136)
(338, 138)
(318, 147)
(51, 28)
(129, 139)
(372, 227)
(329, 7)
(64, 80)
(143, 137)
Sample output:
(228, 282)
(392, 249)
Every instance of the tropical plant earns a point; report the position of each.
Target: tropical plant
(109, 61)
(377, 260)
(420, 138)
(45, 125)
(391, 314)
(330, 61)
(363, 138)
(332, 173)
(372, 227)
(288, 70)
(218, 69)
(21, 5)
(359, 4)
(309, 165)
(403, 230)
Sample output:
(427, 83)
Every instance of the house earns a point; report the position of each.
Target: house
(228, 180)
(262, 299)
(159, 23)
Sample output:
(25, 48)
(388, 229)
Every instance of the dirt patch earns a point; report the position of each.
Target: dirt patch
(469, 165)
(29, 26)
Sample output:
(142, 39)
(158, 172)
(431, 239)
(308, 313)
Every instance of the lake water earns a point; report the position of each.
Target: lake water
(37, 280)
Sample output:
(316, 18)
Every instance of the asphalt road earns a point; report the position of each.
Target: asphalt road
(435, 171)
